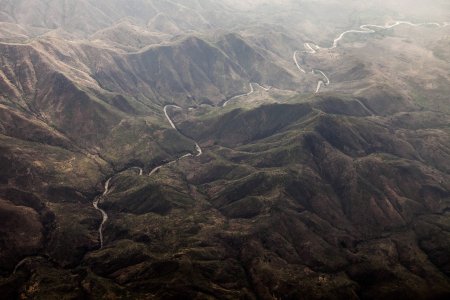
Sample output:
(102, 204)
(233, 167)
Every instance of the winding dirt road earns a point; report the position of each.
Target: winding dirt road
(104, 214)
(199, 150)
(367, 29)
(238, 96)
(311, 48)
(252, 90)
(98, 199)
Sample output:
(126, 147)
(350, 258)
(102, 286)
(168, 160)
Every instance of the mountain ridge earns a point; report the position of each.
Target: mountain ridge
(185, 150)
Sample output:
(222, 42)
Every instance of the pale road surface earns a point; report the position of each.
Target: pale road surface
(19, 264)
(197, 146)
(23, 261)
(365, 107)
(321, 82)
(167, 116)
(104, 214)
(364, 29)
(310, 48)
(252, 90)
(327, 80)
(319, 85)
(296, 62)
(156, 169)
(199, 150)
(140, 171)
(238, 96)
(262, 87)
(172, 124)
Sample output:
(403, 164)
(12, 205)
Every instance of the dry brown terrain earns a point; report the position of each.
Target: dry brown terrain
(340, 194)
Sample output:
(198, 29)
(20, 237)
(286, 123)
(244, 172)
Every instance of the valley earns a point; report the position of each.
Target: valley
(188, 150)
(365, 29)
(153, 171)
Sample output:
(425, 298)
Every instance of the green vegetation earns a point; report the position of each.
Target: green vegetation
(341, 194)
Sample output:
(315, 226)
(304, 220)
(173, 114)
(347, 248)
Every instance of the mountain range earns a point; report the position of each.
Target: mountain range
(203, 149)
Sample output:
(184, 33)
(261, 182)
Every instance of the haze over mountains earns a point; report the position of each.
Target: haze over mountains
(207, 149)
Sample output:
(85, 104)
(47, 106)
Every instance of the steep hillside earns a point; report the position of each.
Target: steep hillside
(205, 149)
(316, 198)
